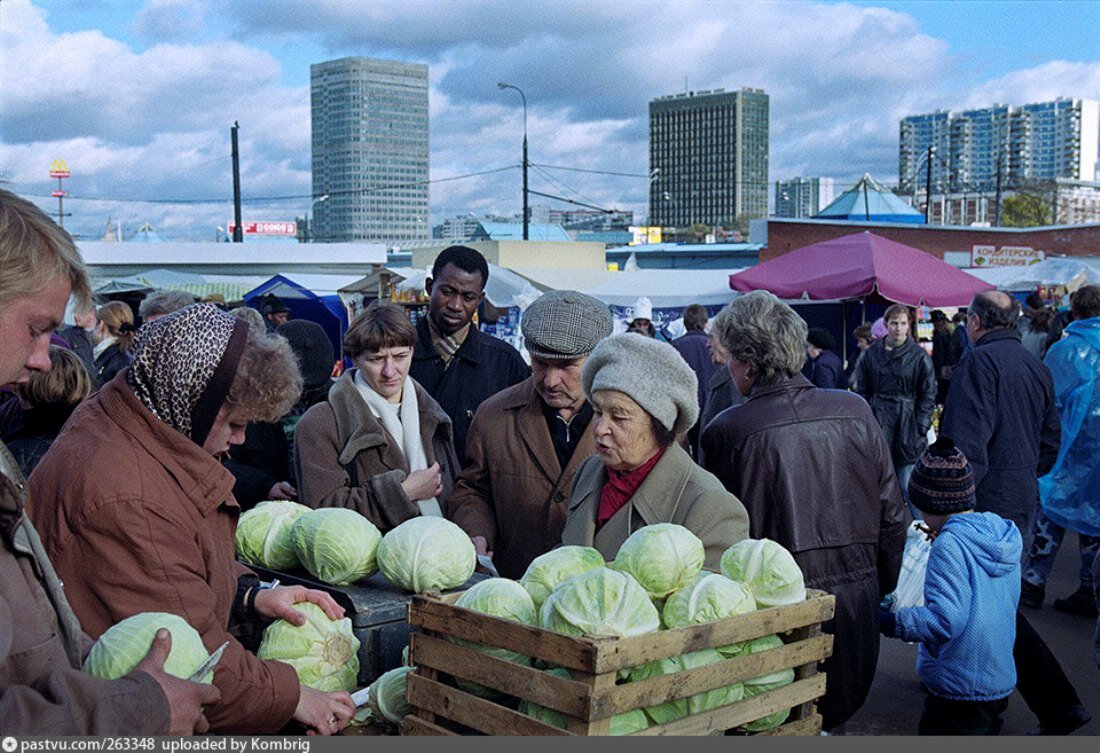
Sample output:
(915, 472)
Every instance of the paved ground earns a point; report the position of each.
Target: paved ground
(896, 700)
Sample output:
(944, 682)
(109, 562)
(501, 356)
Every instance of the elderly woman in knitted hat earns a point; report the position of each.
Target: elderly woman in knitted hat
(137, 514)
(644, 397)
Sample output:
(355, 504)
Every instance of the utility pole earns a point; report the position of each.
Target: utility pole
(928, 185)
(238, 228)
(526, 214)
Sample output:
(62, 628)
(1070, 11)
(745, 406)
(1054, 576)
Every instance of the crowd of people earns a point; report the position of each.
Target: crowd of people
(741, 428)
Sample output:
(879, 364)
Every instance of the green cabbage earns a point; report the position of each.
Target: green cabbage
(767, 569)
(502, 598)
(126, 643)
(387, 695)
(324, 652)
(600, 602)
(764, 683)
(662, 557)
(263, 534)
(621, 724)
(336, 545)
(427, 553)
(548, 570)
(708, 598)
(669, 711)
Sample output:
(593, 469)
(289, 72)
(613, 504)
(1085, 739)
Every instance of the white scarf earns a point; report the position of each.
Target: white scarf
(404, 430)
(102, 345)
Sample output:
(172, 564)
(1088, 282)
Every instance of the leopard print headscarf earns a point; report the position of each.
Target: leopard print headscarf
(184, 365)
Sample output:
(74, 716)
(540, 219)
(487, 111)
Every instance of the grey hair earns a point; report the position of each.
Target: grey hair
(253, 318)
(759, 329)
(161, 302)
(995, 309)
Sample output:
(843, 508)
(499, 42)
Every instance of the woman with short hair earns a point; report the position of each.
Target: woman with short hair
(114, 338)
(380, 444)
(644, 397)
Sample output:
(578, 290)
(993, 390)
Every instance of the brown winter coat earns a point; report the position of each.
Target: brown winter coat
(138, 518)
(814, 470)
(42, 689)
(513, 491)
(675, 491)
(341, 437)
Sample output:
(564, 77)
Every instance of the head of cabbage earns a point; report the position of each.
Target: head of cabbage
(499, 597)
(599, 602)
(767, 569)
(708, 598)
(324, 652)
(662, 557)
(548, 570)
(263, 534)
(387, 696)
(336, 545)
(672, 710)
(427, 553)
(764, 683)
(626, 723)
(126, 643)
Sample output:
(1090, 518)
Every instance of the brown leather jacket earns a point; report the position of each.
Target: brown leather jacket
(42, 688)
(814, 471)
(513, 490)
(138, 518)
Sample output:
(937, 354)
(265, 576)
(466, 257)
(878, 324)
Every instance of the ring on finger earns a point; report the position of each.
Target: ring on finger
(332, 720)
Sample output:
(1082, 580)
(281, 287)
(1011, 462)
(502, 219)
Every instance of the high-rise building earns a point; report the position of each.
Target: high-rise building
(708, 154)
(370, 150)
(1022, 145)
(802, 197)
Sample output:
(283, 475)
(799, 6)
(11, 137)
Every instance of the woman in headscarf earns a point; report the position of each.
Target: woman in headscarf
(644, 398)
(815, 473)
(137, 514)
(114, 339)
(380, 444)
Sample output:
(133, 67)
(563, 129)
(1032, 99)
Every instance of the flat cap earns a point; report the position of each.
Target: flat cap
(564, 324)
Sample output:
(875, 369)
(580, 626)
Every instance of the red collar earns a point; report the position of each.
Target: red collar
(621, 486)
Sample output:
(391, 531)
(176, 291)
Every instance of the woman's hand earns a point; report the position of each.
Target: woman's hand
(278, 603)
(282, 490)
(323, 713)
(424, 484)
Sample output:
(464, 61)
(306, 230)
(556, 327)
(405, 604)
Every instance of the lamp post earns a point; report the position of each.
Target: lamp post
(526, 219)
(309, 216)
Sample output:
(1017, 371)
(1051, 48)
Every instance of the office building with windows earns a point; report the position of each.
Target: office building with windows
(370, 150)
(708, 157)
(802, 197)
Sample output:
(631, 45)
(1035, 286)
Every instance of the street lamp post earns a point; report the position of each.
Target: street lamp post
(309, 217)
(526, 218)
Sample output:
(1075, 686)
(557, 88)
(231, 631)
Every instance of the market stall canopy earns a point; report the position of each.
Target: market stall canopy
(667, 288)
(1070, 272)
(308, 296)
(504, 289)
(859, 265)
(231, 287)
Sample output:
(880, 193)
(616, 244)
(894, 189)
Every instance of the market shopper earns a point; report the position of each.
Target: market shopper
(160, 534)
(1001, 413)
(814, 472)
(721, 392)
(643, 396)
(896, 377)
(379, 445)
(1070, 493)
(693, 347)
(864, 339)
(458, 365)
(78, 335)
(946, 352)
(527, 442)
(823, 367)
(114, 339)
(43, 690)
(161, 303)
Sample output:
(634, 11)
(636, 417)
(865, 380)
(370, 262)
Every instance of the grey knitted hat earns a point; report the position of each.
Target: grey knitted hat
(649, 371)
(564, 324)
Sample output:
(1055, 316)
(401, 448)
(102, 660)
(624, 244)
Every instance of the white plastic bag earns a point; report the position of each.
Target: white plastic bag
(914, 564)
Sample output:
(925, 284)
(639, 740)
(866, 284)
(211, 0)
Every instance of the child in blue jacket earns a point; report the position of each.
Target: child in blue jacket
(967, 625)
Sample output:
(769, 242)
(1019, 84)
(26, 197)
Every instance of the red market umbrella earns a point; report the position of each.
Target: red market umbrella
(858, 265)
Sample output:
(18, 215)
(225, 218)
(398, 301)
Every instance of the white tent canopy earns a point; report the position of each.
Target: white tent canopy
(667, 288)
(505, 288)
(1072, 272)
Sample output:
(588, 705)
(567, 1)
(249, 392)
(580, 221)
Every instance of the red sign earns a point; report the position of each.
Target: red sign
(59, 194)
(266, 228)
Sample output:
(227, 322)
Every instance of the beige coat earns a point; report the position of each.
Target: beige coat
(513, 490)
(675, 491)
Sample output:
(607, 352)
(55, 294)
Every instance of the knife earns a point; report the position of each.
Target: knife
(488, 565)
(360, 697)
(208, 665)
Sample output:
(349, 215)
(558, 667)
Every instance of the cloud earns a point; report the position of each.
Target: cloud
(169, 20)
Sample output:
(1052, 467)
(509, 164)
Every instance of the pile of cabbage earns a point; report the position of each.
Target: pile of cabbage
(656, 582)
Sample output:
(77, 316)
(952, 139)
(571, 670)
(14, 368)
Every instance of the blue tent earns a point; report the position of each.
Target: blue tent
(311, 297)
(867, 201)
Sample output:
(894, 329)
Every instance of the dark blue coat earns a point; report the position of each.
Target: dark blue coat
(693, 348)
(483, 366)
(1000, 412)
(826, 371)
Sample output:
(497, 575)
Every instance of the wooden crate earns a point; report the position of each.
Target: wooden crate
(591, 698)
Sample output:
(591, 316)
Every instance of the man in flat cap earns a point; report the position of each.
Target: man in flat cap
(526, 442)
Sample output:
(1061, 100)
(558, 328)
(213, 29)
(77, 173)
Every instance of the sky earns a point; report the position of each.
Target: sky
(138, 96)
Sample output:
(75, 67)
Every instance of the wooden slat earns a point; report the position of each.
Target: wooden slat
(744, 711)
(568, 696)
(471, 711)
(436, 615)
(811, 725)
(414, 725)
(633, 695)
